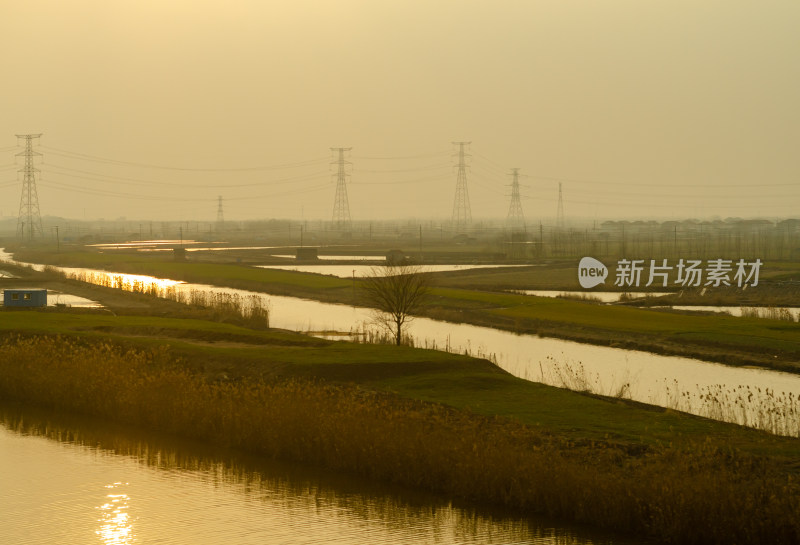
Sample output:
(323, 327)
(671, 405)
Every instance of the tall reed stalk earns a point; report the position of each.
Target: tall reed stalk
(252, 308)
(763, 409)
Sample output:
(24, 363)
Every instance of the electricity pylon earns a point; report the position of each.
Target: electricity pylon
(515, 219)
(462, 216)
(29, 220)
(341, 206)
(560, 212)
(220, 216)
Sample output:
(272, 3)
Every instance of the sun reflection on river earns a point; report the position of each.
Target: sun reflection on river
(128, 282)
(106, 483)
(115, 521)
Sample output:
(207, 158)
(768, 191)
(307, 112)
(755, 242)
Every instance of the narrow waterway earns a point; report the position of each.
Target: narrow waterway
(759, 398)
(780, 313)
(602, 296)
(358, 271)
(73, 480)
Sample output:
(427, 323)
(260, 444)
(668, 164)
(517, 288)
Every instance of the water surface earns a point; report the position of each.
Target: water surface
(359, 271)
(602, 296)
(72, 480)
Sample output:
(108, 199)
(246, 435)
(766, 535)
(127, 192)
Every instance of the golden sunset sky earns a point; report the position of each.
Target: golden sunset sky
(642, 109)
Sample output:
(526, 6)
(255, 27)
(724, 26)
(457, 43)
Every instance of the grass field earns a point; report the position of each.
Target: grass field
(216, 349)
(734, 341)
(450, 423)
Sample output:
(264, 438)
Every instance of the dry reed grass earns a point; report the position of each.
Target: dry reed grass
(690, 493)
(769, 313)
(763, 409)
(364, 333)
(585, 297)
(251, 308)
(573, 376)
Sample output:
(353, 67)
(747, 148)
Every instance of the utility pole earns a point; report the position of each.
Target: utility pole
(29, 201)
(560, 213)
(462, 215)
(515, 219)
(58, 240)
(341, 206)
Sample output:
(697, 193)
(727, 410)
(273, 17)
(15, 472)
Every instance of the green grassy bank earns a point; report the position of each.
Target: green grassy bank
(445, 422)
(734, 341)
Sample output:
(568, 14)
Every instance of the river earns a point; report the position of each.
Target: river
(76, 480)
(754, 397)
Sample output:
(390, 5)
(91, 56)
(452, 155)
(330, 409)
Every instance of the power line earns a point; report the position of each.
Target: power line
(284, 194)
(490, 185)
(389, 171)
(723, 185)
(75, 155)
(398, 182)
(628, 184)
(657, 205)
(104, 178)
(484, 176)
(103, 193)
(498, 165)
(406, 157)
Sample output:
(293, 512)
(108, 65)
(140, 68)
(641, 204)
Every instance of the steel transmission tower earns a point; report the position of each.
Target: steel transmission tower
(560, 213)
(462, 216)
(29, 220)
(341, 206)
(515, 219)
(220, 216)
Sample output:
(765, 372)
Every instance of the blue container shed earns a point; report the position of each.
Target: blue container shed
(25, 298)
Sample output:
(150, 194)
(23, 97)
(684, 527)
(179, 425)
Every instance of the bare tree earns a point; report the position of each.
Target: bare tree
(397, 292)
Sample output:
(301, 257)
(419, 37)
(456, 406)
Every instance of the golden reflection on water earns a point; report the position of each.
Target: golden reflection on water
(221, 496)
(127, 282)
(116, 526)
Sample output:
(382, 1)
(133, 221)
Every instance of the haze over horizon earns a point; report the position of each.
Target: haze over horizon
(151, 110)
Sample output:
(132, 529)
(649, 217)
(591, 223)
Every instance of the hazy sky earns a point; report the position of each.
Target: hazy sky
(150, 109)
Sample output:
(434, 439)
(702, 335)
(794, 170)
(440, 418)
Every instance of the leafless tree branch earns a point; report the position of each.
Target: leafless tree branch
(397, 292)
